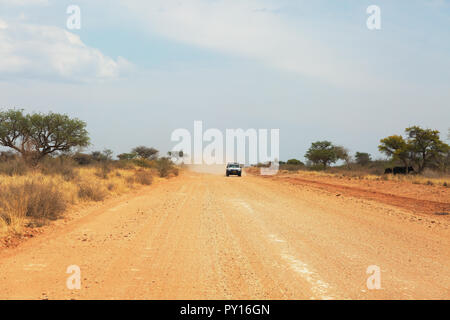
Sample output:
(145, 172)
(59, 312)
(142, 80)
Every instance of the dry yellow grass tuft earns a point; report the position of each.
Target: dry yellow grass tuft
(37, 196)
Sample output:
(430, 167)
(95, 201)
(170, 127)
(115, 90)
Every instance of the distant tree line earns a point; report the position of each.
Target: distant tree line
(420, 148)
(37, 136)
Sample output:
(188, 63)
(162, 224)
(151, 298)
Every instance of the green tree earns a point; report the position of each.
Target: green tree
(362, 158)
(145, 152)
(322, 152)
(105, 155)
(108, 153)
(342, 153)
(396, 148)
(426, 146)
(423, 147)
(294, 162)
(37, 135)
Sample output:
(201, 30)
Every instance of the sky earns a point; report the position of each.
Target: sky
(137, 70)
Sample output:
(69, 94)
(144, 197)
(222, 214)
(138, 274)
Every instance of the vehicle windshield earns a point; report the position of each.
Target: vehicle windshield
(233, 166)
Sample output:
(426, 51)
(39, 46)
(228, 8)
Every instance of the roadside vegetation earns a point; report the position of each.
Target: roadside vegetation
(43, 171)
(420, 149)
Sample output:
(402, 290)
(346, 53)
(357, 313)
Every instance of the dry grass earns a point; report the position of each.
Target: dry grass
(30, 198)
(427, 178)
(143, 177)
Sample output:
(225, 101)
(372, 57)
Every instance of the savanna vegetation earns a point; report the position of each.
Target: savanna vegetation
(422, 149)
(43, 170)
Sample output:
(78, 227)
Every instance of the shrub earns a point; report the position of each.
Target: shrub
(34, 199)
(130, 180)
(111, 186)
(144, 163)
(316, 167)
(83, 159)
(428, 173)
(45, 200)
(13, 167)
(91, 191)
(291, 167)
(8, 155)
(295, 162)
(164, 166)
(65, 167)
(103, 170)
(143, 177)
(123, 164)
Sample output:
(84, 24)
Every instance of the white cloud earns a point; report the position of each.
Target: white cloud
(250, 29)
(48, 52)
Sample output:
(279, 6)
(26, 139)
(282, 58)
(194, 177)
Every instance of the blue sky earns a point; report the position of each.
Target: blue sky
(137, 70)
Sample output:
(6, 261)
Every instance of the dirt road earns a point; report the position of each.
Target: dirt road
(202, 236)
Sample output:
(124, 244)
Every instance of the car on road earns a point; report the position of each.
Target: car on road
(234, 168)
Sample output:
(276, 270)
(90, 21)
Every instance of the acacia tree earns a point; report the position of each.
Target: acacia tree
(37, 135)
(426, 146)
(397, 148)
(102, 156)
(422, 147)
(343, 153)
(322, 152)
(145, 152)
(362, 158)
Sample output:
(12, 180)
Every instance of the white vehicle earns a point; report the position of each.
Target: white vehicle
(234, 168)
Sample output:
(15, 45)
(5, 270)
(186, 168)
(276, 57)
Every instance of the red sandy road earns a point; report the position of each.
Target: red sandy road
(409, 203)
(209, 237)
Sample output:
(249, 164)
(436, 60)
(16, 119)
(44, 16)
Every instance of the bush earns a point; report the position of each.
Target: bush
(291, 167)
(130, 180)
(91, 191)
(144, 163)
(103, 170)
(111, 186)
(143, 177)
(295, 162)
(44, 200)
(35, 199)
(65, 167)
(164, 166)
(13, 167)
(83, 159)
(316, 167)
(123, 164)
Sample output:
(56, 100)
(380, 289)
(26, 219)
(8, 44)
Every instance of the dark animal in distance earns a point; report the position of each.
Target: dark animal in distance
(398, 170)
